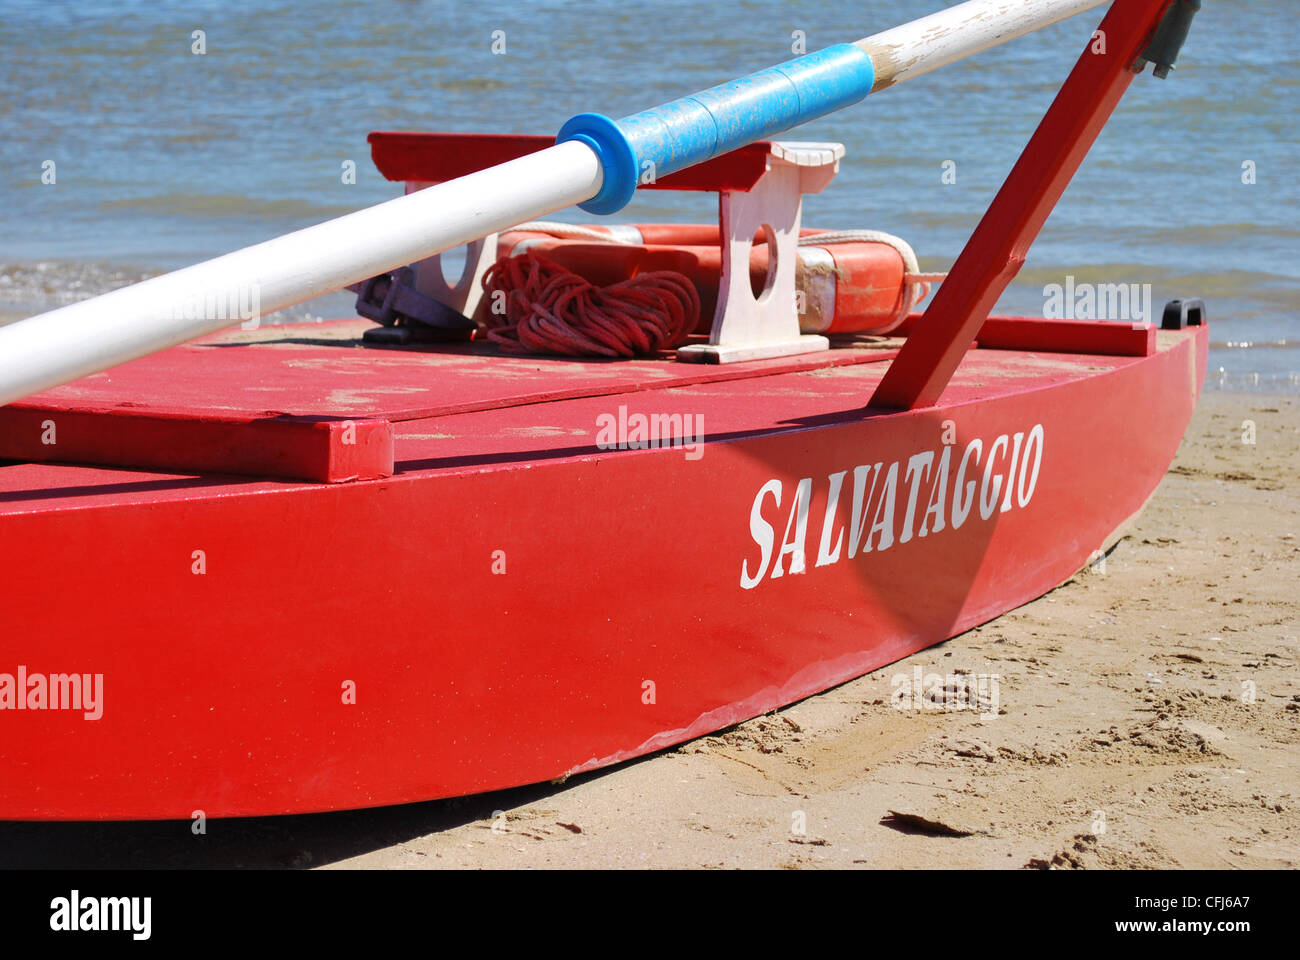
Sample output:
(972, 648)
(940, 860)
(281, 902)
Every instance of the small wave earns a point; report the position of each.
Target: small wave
(29, 288)
(221, 205)
(1221, 233)
(1252, 381)
(471, 84)
(1228, 285)
(1282, 344)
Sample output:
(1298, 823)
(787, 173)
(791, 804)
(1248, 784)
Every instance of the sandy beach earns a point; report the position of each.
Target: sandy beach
(1146, 714)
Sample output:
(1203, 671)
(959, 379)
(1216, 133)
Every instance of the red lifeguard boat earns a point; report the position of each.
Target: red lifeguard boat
(285, 570)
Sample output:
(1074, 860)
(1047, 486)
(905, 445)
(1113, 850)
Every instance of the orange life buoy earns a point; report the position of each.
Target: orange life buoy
(846, 285)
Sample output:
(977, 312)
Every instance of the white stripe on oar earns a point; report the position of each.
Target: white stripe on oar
(935, 41)
(83, 338)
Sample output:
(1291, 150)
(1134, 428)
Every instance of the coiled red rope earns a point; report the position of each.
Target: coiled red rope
(550, 309)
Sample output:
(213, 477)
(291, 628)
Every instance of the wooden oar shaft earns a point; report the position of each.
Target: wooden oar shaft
(929, 43)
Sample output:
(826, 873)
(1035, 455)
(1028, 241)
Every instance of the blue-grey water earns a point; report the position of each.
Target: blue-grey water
(163, 156)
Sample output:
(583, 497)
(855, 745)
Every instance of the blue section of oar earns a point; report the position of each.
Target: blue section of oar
(714, 121)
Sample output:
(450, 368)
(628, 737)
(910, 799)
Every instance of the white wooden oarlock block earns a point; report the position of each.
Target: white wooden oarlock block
(749, 327)
(465, 295)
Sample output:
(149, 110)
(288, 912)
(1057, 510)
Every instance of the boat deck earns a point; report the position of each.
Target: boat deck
(210, 418)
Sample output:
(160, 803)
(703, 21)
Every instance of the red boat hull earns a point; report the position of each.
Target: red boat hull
(514, 605)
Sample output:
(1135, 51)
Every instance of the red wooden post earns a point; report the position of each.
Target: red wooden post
(996, 250)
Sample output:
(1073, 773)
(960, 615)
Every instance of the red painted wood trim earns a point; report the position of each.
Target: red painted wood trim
(1069, 336)
(439, 157)
(283, 448)
(996, 250)
(1057, 336)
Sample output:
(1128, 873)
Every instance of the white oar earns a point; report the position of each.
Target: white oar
(597, 162)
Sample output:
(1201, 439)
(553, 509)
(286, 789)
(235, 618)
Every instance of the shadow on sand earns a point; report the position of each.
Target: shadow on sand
(288, 842)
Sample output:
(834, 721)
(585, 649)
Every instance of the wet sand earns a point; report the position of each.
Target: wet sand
(1145, 714)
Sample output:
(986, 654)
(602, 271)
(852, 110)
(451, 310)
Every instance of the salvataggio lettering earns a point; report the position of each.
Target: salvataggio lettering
(990, 478)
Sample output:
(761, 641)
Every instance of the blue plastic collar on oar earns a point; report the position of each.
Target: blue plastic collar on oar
(714, 121)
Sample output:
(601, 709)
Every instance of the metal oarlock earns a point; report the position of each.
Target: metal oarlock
(1183, 313)
(1168, 40)
(406, 315)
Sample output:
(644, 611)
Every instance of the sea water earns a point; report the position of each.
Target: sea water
(142, 135)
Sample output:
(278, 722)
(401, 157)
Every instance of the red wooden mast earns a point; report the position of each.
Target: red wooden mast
(996, 250)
